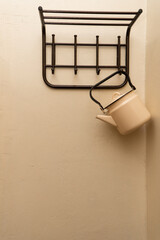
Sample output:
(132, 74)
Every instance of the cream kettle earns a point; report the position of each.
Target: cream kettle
(127, 112)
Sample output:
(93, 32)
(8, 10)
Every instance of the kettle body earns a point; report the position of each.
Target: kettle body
(127, 113)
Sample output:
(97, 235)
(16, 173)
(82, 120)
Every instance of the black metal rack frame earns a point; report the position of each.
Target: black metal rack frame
(49, 17)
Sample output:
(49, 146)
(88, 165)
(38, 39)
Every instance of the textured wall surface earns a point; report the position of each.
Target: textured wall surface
(153, 131)
(65, 175)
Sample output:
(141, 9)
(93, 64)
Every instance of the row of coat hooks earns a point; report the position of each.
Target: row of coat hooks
(76, 44)
(86, 18)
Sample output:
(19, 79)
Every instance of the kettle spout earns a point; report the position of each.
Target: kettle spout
(107, 119)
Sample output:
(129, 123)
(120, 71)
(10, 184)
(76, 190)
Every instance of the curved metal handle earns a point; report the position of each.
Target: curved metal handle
(107, 78)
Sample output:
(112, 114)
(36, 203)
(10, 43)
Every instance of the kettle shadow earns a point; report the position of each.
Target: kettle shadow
(131, 144)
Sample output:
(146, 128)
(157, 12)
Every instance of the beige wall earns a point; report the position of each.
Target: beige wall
(153, 133)
(64, 174)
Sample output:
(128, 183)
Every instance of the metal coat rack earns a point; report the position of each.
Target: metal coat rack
(86, 18)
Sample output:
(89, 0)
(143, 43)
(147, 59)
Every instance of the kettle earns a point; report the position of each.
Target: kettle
(127, 112)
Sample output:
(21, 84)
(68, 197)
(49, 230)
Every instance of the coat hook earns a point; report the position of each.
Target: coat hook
(53, 53)
(119, 54)
(75, 54)
(97, 55)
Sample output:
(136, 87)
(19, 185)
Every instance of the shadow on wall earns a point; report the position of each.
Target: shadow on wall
(130, 144)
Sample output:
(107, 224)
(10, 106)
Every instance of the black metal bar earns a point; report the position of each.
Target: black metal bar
(119, 53)
(89, 12)
(75, 54)
(86, 86)
(87, 18)
(44, 48)
(83, 66)
(97, 55)
(83, 86)
(53, 53)
(128, 40)
(87, 24)
(87, 44)
(136, 17)
(127, 50)
(41, 15)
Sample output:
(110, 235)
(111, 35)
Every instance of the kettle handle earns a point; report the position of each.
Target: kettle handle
(107, 78)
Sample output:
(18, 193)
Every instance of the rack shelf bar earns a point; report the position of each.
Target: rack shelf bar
(87, 18)
(87, 24)
(89, 12)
